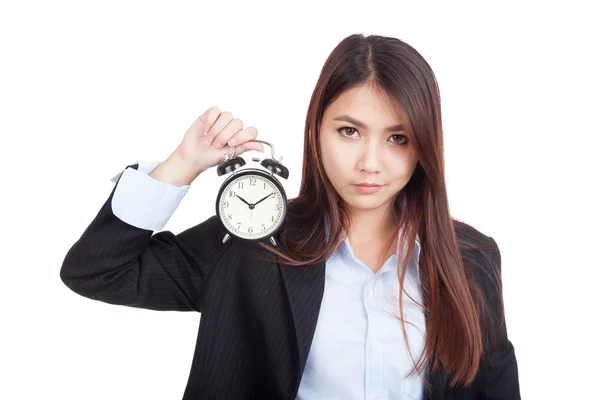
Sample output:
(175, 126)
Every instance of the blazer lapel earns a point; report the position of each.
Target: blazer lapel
(304, 287)
(437, 380)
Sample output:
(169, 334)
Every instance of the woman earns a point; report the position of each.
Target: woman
(377, 292)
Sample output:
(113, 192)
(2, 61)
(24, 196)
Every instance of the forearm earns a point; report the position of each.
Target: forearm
(175, 171)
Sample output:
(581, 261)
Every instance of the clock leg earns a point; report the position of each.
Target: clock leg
(272, 239)
(226, 237)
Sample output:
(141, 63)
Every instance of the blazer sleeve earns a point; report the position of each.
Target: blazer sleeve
(118, 263)
(499, 379)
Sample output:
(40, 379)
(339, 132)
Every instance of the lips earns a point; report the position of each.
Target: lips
(367, 188)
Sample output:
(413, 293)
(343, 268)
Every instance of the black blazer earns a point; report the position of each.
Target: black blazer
(258, 318)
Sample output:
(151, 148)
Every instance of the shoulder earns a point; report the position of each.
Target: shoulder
(479, 251)
(204, 241)
(482, 260)
(471, 238)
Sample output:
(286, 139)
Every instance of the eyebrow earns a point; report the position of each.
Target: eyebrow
(347, 118)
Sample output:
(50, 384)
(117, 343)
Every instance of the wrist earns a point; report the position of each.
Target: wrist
(176, 171)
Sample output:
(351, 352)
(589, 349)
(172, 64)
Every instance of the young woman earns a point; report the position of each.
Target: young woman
(376, 292)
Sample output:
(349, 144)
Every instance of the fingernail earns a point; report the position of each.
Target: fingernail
(232, 142)
(217, 144)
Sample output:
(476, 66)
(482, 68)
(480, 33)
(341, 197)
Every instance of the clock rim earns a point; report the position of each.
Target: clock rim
(269, 176)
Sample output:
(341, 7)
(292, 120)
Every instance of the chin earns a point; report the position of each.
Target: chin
(364, 202)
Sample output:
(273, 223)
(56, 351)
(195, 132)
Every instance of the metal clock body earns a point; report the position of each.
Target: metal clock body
(251, 203)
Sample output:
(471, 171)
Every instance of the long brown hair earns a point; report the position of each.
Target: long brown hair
(453, 302)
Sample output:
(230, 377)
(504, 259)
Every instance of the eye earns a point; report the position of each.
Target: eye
(344, 130)
(401, 139)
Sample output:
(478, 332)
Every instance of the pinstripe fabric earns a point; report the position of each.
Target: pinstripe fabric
(258, 319)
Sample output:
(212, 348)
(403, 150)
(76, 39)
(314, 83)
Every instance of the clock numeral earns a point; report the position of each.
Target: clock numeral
(272, 218)
(239, 225)
(252, 181)
(278, 207)
(273, 195)
(225, 204)
(264, 185)
(249, 229)
(263, 228)
(240, 185)
(229, 216)
(231, 193)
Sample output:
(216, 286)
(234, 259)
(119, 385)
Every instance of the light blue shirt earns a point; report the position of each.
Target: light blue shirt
(358, 350)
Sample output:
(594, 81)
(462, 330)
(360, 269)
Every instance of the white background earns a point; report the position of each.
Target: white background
(89, 87)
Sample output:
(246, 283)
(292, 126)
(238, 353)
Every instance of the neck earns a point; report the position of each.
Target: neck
(367, 225)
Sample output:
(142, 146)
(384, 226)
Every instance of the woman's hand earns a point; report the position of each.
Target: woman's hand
(213, 134)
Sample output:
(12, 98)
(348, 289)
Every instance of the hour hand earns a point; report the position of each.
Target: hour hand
(249, 205)
(264, 198)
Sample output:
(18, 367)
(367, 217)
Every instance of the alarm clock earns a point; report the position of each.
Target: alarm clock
(251, 203)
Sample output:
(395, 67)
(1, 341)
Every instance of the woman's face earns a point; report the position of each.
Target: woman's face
(362, 141)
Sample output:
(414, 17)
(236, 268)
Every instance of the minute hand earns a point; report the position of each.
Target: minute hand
(263, 199)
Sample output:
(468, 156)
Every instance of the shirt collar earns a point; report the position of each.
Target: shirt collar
(416, 247)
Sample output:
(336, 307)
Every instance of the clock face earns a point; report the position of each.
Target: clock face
(251, 206)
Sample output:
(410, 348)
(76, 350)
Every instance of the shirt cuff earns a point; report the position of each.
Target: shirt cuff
(144, 166)
(145, 202)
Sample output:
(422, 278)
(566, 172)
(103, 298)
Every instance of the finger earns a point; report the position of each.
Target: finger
(199, 125)
(202, 116)
(212, 114)
(234, 126)
(219, 124)
(242, 148)
(209, 117)
(248, 133)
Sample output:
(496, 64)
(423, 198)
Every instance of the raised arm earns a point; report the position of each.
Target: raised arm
(124, 263)
(118, 260)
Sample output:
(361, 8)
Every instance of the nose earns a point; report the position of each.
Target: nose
(370, 158)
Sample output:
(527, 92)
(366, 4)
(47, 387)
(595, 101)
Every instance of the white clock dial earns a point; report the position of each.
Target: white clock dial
(251, 206)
